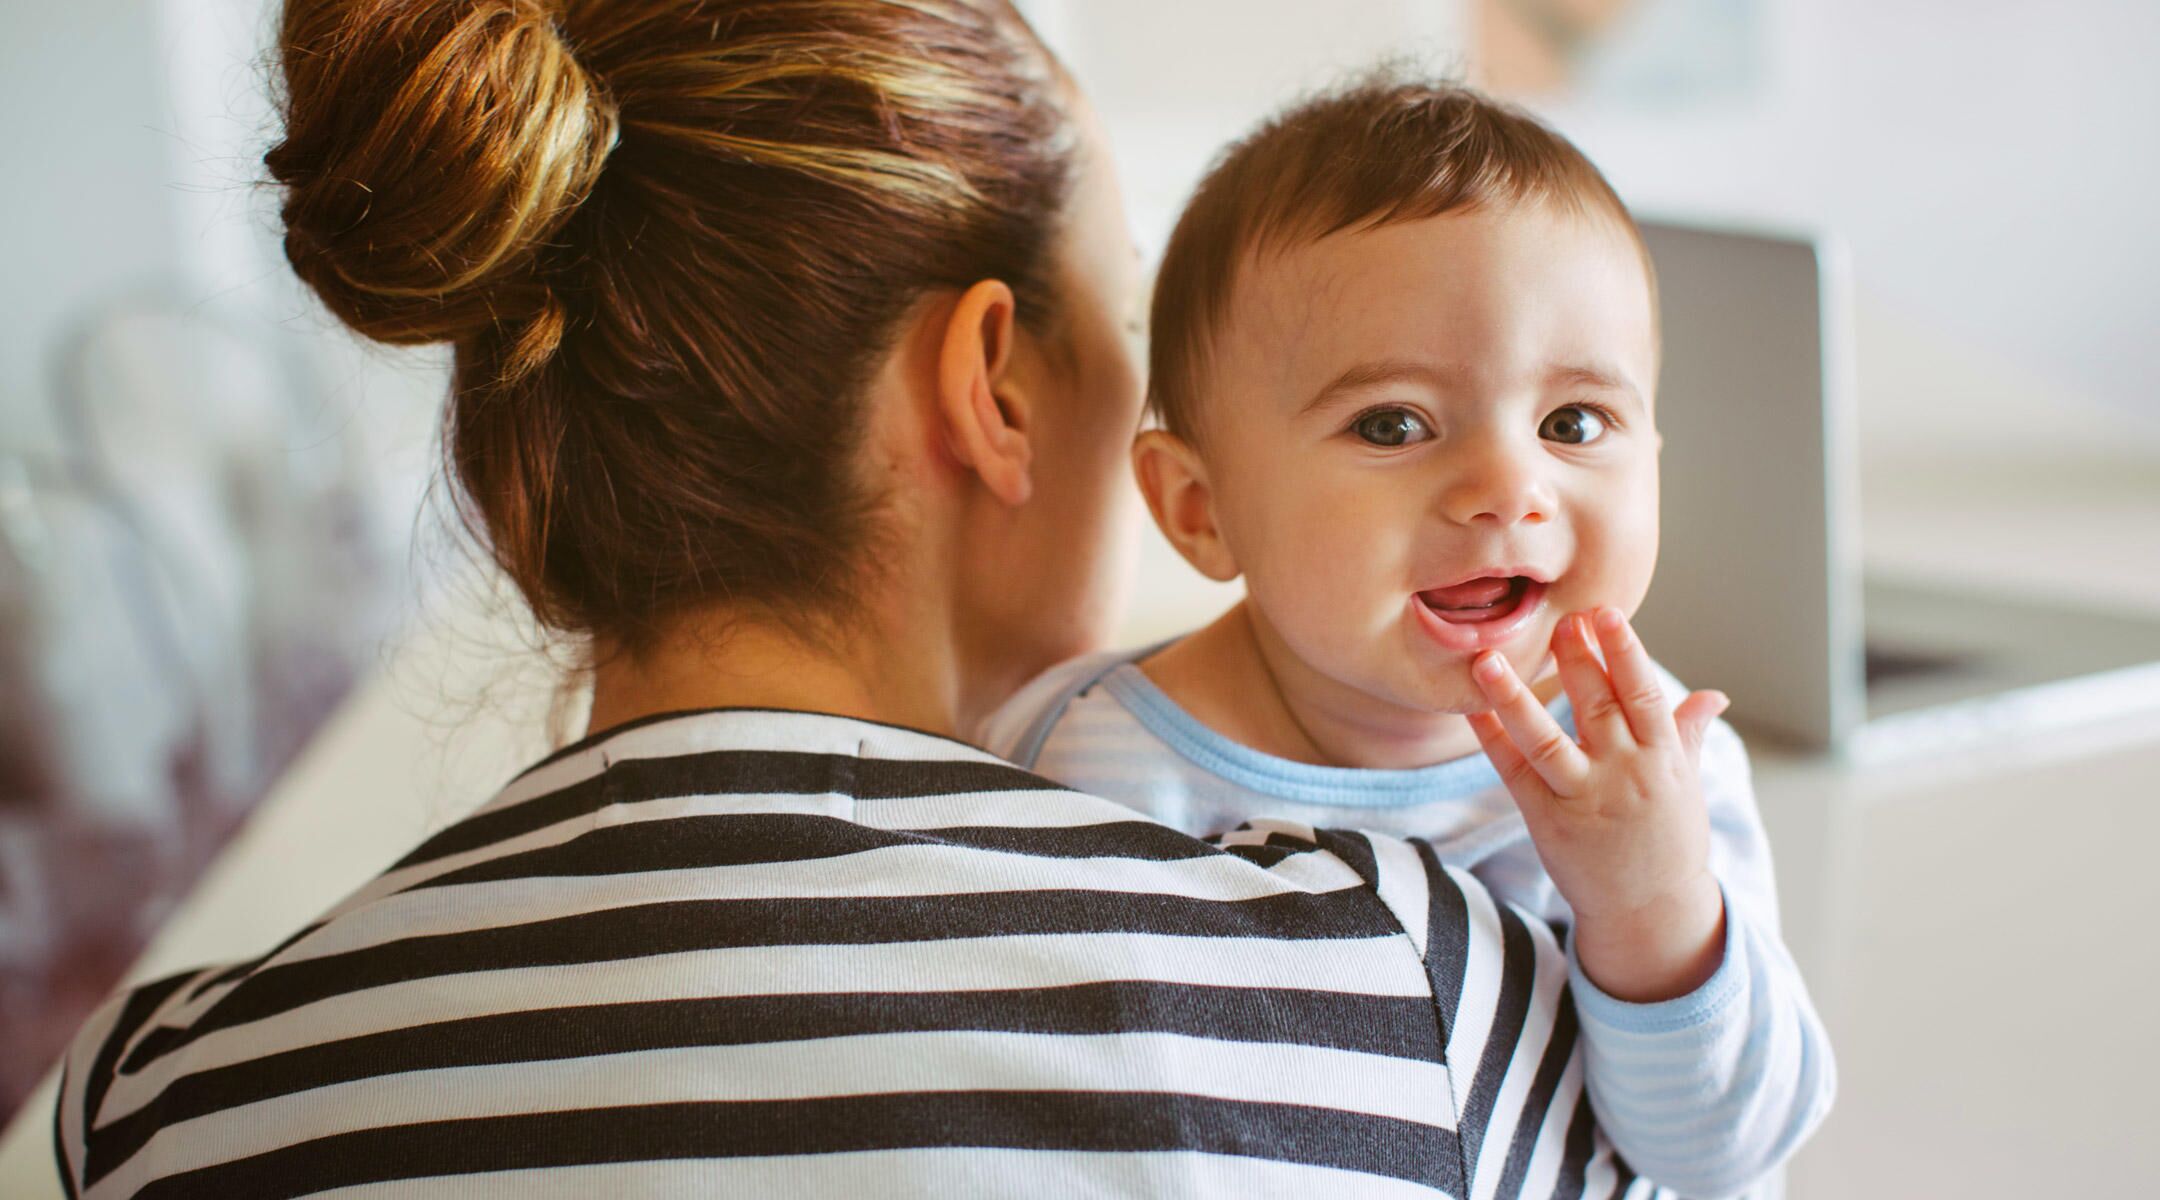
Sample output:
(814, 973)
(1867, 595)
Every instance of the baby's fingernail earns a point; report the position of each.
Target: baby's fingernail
(1488, 666)
(1610, 619)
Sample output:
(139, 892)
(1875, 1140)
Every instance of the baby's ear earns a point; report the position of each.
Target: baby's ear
(1174, 480)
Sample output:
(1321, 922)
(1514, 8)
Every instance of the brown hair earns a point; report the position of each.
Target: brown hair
(1379, 149)
(669, 241)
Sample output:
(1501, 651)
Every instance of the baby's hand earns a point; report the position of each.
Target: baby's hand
(1618, 820)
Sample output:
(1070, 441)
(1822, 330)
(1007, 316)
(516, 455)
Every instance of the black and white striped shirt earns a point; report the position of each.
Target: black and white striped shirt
(748, 952)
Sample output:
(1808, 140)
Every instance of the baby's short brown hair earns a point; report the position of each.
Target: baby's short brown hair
(1380, 149)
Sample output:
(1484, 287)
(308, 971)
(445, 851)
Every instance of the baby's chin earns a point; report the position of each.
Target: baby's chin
(1445, 693)
(1447, 688)
(1412, 678)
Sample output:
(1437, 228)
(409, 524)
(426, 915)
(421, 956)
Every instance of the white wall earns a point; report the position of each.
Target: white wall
(1991, 166)
(133, 131)
(1176, 79)
(84, 209)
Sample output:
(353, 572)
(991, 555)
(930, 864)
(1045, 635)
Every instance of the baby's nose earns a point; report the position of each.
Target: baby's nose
(1499, 487)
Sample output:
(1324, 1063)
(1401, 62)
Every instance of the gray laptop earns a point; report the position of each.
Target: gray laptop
(1759, 589)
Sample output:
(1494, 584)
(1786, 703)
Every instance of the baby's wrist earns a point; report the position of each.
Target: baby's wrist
(1655, 950)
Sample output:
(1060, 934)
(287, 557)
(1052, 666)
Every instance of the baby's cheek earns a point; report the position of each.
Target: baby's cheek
(1356, 587)
(1623, 557)
(1304, 573)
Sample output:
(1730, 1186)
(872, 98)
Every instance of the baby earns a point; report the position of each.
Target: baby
(1405, 352)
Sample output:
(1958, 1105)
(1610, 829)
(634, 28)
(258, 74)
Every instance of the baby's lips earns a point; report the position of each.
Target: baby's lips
(1441, 590)
(1491, 589)
(1465, 633)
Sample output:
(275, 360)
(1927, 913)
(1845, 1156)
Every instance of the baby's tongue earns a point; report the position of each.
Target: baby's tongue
(1475, 594)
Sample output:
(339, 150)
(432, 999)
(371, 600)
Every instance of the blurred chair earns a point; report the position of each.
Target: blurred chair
(186, 592)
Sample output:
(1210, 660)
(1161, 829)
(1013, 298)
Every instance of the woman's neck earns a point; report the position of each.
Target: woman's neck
(1225, 676)
(732, 660)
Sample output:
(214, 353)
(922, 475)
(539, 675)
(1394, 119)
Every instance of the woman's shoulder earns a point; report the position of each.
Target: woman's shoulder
(816, 880)
(101, 1067)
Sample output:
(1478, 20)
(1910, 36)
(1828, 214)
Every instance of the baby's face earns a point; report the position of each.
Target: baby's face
(1394, 412)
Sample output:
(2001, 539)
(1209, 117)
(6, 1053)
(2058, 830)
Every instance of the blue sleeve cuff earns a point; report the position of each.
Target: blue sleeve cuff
(1699, 1008)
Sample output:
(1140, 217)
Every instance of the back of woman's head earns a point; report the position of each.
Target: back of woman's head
(669, 240)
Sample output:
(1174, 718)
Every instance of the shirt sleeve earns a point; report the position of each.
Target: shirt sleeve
(92, 1060)
(1708, 1092)
(85, 1072)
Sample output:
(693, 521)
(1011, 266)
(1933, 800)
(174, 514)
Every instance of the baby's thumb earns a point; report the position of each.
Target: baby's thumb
(1694, 716)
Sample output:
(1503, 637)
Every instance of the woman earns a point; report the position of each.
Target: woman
(792, 369)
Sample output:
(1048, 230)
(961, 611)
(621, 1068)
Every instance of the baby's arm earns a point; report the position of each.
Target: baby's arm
(1708, 1092)
(1712, 1076)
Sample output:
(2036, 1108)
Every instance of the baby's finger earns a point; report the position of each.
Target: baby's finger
(1550, 751)
(1604, 728)
(1634, 680)
(1522, 782)
(1693, 717)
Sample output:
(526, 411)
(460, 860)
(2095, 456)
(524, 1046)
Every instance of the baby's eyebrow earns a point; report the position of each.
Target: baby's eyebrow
(1386, 371)
(1593, 375)
(1374, 374)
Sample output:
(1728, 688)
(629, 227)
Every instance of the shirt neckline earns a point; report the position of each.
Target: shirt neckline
(1300, 782)
(599, 737)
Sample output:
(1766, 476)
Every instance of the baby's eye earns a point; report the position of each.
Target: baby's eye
(1569, 425)
(1391, 427)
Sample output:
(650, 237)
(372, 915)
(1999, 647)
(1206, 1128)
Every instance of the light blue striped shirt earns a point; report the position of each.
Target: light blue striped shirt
(1708, 1093)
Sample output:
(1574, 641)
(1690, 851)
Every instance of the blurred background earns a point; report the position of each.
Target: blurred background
(236, 640)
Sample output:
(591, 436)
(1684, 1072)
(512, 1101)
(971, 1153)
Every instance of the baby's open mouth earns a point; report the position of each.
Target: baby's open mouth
(1491, 598)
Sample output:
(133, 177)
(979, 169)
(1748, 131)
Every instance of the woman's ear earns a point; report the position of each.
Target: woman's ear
(1175, 482)
(983, 419)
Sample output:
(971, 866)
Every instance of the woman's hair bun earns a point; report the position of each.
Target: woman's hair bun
(431, 150)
